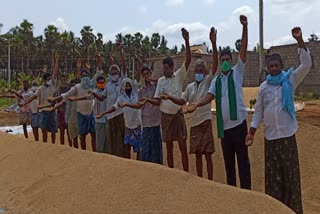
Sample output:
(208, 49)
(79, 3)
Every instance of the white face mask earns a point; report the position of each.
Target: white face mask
(49, 82)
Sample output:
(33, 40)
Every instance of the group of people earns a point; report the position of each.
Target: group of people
(122, 114)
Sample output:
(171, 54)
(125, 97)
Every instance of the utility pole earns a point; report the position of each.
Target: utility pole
(261, 54)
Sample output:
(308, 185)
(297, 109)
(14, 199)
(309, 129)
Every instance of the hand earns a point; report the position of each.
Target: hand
(49, 109)
(44, 68)
(243, 20)
(118, 45)
(88, 66)
(213, 35)
(72, 98)
(51, 99)
(122, 104)
(56, 56)
(99, 115)
(79, 63)
(249, 139)
(89, 94)
(297, 33)
(185, 34)
(21, 104)
(164, 96)
(192, 107)
(143, 100)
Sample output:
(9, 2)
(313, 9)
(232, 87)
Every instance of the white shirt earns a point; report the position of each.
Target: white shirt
(44, 92)
(238, 71)
(193, 93)
(277, 122)
(172, 86)
(84, 107)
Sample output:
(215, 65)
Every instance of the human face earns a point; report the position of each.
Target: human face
(84, 74)
(113, 72)
(274, 67)
(146, 75)
(128, 86)
(225, 57)
(48, 78)
(63, 81)
(25, 85)
(199, 69)
(167, 70)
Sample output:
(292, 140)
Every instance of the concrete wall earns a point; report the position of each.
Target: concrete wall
(289, 54)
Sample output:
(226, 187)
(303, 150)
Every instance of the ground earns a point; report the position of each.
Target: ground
(308, 137)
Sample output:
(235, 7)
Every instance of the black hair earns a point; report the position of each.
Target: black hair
(275, 57)
(74, 81)
(145, 67)
(25, 81)
(168, 60)
(101, 77)
(225, 52)
(85, 71)
(63, 75)
(45, 76)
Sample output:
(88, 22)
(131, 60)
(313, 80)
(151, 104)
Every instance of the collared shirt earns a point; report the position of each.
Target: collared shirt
(35, 102)
(44, 92)
(100, 106)
(112, 91)
(132, 117)
(277, 122)
(193, 93)
(151, 114)
(237, 72)
(172, 86)
(84, 107)
(26, 95)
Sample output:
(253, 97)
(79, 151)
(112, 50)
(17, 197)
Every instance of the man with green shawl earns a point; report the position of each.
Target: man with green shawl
(226, 89)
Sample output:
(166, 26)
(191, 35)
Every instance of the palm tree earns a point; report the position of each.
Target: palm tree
(155, 40)
(87, 38)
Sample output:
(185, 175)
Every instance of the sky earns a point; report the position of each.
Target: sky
(167, 17)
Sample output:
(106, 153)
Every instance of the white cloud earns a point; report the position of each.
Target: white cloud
(209, 2)
(293, 9)
(142, 9)
(285, 40)
(60, 24)
(234, 18)
(174, 3)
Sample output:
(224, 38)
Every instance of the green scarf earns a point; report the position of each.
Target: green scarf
(232, 102)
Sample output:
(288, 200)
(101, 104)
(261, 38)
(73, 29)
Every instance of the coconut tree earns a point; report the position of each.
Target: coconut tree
(87, 39)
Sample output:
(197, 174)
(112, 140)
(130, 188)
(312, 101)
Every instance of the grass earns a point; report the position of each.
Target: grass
(5, 102)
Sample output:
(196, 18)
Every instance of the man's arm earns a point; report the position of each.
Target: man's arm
(78, 74)
(154, 101)
(213, 39)
(29, 100)
(56, 66)
(185, 35)
(139, 66)
(99, 71)
(205, 100)
(256, 120)
(101, 114)
(244, 39)
(100, 97)
(7, 96)
(121, 57)
(301, 72)
(99, 61)
(176, 100)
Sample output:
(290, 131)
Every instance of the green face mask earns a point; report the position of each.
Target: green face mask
(226, 66)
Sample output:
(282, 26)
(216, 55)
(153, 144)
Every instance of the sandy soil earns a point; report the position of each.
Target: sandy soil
(45, 178)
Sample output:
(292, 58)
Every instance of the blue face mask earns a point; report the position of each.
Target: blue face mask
(86, 82)
(199, 77)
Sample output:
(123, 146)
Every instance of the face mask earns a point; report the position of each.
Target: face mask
(115, 78)
(86, 82)
(128, 91)
(101, 85)
(49, 82)
(199, 77)
(226, 66)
